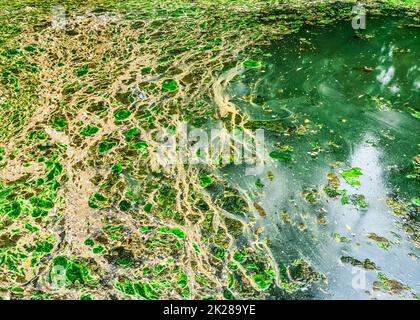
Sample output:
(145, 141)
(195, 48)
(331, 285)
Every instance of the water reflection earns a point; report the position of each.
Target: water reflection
(345, 101)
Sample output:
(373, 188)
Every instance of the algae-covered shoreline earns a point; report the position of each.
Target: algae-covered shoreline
(86, 211)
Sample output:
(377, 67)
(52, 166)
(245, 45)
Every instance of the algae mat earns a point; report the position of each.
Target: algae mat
(87, 210)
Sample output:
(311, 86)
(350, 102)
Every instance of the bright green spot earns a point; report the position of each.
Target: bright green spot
(117, 168)
(44, 247)
(16, 290)
(351, 176)
(175, 231)
(89, 130)
(205, 181)
(98, 249)
(239, 256)
(140, 145)
(228, 295)
(252, 64)
(344, 198)
(262, 281)
(89, 242)
(131, 133)
(144, 229)
(121, 114)
(169, 85)
(74, 273)
(31, 228)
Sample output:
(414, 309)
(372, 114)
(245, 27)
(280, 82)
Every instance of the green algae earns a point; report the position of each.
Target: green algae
(388, 285)
(281, 156)
(82, 71)
(98, 249)
(252, 64)
(75, 273)
(366, 264)
(136, 221)
(382, 242)
(106, 146)
(205, 181)
(176, 231)
(121, 114)
(170, 86)
(359, 201)
(89, 131)
(131, 133)
(89, 242)
(351, 176)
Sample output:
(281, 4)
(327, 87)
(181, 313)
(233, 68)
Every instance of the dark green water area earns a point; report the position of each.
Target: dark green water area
(340, 190)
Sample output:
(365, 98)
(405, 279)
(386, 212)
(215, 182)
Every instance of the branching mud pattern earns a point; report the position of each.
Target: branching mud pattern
(87, 211)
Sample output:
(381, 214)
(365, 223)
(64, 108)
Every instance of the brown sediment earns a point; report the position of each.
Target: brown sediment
(221, 98)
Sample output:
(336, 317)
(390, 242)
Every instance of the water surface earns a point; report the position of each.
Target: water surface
(340, 99)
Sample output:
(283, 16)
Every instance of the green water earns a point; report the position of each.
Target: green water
(354, 95)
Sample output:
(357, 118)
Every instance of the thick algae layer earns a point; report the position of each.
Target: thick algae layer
(86, 212)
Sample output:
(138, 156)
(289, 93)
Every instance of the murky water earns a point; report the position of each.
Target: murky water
(345, 99)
